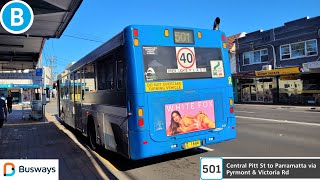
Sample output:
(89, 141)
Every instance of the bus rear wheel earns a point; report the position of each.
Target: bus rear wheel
(92, 135)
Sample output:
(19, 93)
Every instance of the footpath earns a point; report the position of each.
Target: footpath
(47, 139)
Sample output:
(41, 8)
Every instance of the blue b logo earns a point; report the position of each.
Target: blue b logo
(16, 17)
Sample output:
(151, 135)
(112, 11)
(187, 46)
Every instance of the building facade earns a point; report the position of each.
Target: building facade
(280, 65)
(232, 57)
(19, 85)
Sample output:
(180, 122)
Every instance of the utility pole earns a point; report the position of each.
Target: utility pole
(51, 66)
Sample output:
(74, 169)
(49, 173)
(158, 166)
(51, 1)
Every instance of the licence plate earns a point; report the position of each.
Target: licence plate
(192, 144)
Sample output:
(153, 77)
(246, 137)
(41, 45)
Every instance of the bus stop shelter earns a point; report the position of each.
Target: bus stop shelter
(51, 17)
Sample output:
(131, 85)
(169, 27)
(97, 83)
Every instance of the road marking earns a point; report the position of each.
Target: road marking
(282, 121)
(206, 148)
(305, 111)
(246, 112)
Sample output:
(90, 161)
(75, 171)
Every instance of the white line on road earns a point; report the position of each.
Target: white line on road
(206, 148)
(305, 111)
(246, 112)
(282, 121)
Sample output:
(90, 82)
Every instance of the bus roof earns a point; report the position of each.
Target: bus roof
(113, 43)
(99, 52)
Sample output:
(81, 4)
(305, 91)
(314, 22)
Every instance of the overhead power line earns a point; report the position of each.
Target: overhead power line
(87, 39)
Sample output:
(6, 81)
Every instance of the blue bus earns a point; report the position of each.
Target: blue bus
(151, 90)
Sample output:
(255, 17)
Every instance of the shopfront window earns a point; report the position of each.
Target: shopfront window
(302, 89)
(258, 89)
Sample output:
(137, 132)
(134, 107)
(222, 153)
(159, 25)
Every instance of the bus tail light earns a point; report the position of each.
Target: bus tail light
(135, 32)
(141, 122)
(231, 110)
(224, 45)
(136, 42)
(140, 112)
(223, 37)
(233, 127)
(166, 33)
(231, 102)
(145, 142)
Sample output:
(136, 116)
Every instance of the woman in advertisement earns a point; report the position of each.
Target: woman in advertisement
(187, 123)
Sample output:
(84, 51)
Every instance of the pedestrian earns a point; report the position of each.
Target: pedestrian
(9, 103)
(3, 112)
(2, 97)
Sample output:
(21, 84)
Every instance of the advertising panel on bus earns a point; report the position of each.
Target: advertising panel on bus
(188, 117)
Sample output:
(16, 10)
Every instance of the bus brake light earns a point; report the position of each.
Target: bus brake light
(135, 32)
(223, 37)
(141, 122)
(231, 110)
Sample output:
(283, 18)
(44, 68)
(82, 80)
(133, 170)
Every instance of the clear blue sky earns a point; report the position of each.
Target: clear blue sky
(99, 20)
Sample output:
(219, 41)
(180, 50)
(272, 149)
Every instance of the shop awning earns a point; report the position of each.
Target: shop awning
(277, 72)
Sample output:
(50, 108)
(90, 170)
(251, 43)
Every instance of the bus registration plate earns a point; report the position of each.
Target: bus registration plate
(192, 144)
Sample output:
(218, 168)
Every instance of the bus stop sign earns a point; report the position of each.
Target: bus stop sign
(39, 72)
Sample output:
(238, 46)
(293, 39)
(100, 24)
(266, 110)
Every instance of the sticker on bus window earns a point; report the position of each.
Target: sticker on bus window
(196, 70)
(150, 74)
(186, 58)
(188, 117)
(163, 86)
(217, 69)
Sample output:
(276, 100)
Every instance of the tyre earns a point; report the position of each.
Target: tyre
(91, 130)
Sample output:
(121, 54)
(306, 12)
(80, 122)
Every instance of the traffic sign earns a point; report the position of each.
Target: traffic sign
(186, 58)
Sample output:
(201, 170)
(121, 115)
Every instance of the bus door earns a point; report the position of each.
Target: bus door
(58, 92)
(78, 93)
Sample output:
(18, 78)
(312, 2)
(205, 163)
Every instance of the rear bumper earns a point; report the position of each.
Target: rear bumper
(142, 146)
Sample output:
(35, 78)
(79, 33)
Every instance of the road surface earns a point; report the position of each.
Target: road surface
(262, 130)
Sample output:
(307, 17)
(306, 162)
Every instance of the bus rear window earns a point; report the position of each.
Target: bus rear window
(177, 63)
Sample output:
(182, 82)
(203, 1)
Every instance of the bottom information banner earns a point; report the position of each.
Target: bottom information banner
(259, 168)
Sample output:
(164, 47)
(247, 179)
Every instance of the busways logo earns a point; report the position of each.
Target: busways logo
(16, 17)
(5, 173)
(25, 169)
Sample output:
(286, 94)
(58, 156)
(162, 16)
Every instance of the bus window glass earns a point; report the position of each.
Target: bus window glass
(71, 86)
(172, 63)
(89, 78)
(110, 74)
(77, 85)
(105, 73)
(121, 74)
(64, 87)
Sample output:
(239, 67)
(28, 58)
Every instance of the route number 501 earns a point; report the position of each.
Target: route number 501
(211, 168)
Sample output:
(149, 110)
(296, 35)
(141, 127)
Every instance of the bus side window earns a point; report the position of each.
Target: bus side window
(106, 73)
(110, 75)
(121, 74)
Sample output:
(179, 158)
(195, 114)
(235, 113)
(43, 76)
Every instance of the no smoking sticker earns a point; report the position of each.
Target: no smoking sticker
(186, 58)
